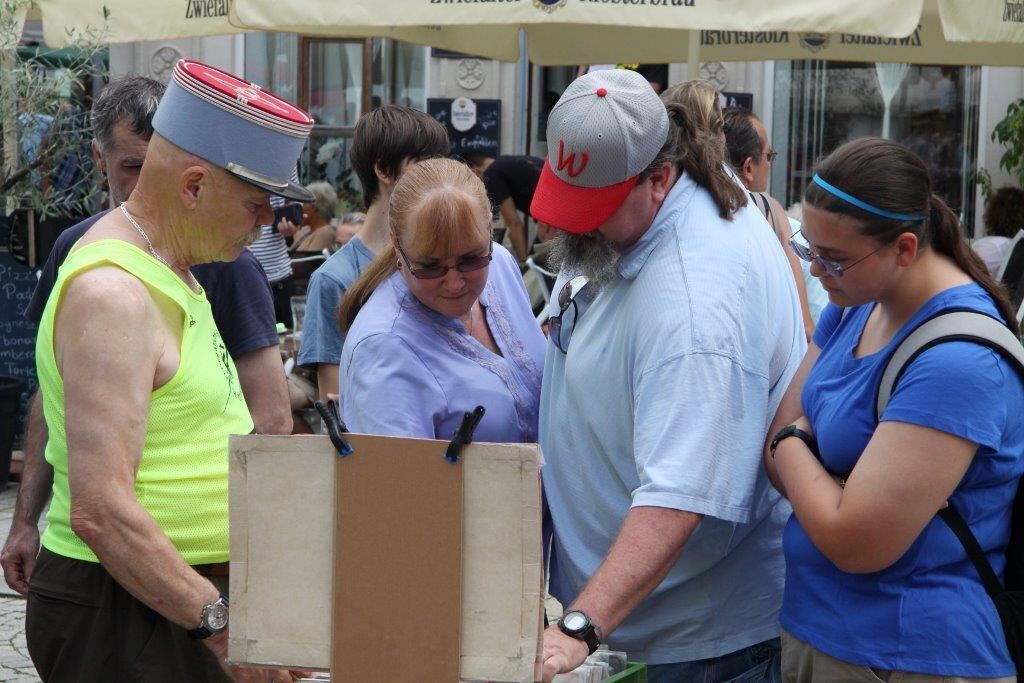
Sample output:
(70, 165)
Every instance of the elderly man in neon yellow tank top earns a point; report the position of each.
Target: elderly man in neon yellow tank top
(141, 396)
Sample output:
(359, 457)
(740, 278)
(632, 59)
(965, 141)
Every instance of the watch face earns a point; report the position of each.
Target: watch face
(574, 621)
(217, 618)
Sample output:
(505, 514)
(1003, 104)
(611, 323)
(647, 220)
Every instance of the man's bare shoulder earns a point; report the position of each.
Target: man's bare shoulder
(108, 226)
(106, 293)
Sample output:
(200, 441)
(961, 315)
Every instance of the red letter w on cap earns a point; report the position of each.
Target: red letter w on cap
(567, 163)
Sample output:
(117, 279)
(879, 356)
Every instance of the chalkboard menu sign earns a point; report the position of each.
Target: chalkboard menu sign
(18, 335)
(484, 137)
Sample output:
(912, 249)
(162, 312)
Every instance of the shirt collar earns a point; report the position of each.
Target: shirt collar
(632, 261)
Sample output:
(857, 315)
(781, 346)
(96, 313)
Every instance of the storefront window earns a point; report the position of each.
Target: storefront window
(410, 75)
(933, 110)
(336, 80)
(270, 60)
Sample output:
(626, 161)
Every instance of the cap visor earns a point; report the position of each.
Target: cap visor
(573, 208)
(292, 190)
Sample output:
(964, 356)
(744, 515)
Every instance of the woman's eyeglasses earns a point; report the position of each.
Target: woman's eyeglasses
(464, 265)
(831, 267)
(560, 326)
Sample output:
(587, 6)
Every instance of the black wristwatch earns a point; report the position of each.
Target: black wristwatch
(576, 624)
(213, 620)
(793, 430)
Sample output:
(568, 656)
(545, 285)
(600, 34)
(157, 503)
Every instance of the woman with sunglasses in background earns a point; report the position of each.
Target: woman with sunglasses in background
(877, 586)
(440, 322)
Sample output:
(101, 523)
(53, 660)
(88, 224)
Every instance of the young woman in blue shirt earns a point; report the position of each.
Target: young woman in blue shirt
(877, 586)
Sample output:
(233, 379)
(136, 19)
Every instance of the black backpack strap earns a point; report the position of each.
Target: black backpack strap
(945, 326)
(951, 516)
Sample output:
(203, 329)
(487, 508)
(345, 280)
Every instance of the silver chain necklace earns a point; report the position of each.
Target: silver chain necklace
(158, 257)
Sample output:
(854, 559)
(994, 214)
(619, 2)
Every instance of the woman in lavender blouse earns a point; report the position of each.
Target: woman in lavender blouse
(440, 322)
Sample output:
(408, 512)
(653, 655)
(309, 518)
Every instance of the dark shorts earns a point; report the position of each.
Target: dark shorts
(82, 626)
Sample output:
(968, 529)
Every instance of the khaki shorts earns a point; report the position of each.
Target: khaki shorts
(803, 663)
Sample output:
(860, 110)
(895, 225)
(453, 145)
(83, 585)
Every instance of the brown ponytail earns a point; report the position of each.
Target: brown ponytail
(948, 239)
(696, 143)
(888, 176)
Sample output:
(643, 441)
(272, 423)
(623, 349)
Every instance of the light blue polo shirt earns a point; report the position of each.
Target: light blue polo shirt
(672, 377)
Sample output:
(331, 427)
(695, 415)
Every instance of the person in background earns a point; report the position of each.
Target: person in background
(510, 182)
(387, 139)
(750, 154)
(349, 226)
(817, 297)
(877, 586)
(440, 322)
(316, 233)
(271, 250)
(122, 121)
(1004, 217)
(674, 332)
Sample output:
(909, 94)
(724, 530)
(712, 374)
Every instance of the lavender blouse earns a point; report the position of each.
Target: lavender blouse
(409, 371)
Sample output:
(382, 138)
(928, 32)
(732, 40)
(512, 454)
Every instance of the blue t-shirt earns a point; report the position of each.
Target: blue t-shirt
(243, 306)
(927, 613)
(322, 339)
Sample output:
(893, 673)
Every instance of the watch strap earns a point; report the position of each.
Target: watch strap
(794, 431)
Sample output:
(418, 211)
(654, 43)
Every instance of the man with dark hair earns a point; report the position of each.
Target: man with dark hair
(386, 140)
(510, 182)
(122, 119)
(674, 334)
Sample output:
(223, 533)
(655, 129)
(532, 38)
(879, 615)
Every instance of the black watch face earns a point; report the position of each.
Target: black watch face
(574, 621)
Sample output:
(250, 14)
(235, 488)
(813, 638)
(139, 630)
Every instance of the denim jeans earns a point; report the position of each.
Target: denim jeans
(760, 662)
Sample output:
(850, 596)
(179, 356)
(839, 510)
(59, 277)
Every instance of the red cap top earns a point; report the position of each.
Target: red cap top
(236, 89)
(601, 92)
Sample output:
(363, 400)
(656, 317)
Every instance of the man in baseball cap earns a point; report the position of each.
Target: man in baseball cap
(674, 332)
(141, 395)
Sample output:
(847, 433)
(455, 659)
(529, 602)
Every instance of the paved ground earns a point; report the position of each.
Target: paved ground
(15, 664)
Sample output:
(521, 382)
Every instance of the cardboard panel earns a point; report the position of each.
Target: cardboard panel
(397, 562)
(282, 512)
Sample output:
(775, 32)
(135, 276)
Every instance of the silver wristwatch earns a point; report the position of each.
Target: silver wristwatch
(213, 620)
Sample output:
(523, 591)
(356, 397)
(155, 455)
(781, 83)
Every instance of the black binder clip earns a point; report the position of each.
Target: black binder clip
(335, 427)
(464, 434)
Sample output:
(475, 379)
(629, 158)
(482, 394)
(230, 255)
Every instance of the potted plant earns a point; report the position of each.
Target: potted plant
(46, 173)
(1009, 132)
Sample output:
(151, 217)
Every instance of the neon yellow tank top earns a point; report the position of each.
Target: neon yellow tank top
(182, 480)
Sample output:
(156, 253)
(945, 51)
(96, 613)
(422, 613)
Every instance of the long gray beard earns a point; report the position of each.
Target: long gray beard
(589, 254)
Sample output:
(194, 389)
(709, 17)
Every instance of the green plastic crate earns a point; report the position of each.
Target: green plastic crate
(636, 672)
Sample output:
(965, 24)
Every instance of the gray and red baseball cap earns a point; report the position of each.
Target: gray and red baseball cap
(235, 125)
(606, 129)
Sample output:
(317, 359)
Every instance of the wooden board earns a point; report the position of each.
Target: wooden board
(397, 562)
(282, 512)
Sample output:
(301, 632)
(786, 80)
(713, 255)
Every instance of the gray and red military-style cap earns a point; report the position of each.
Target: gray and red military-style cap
(235, 125)
(606, 129)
